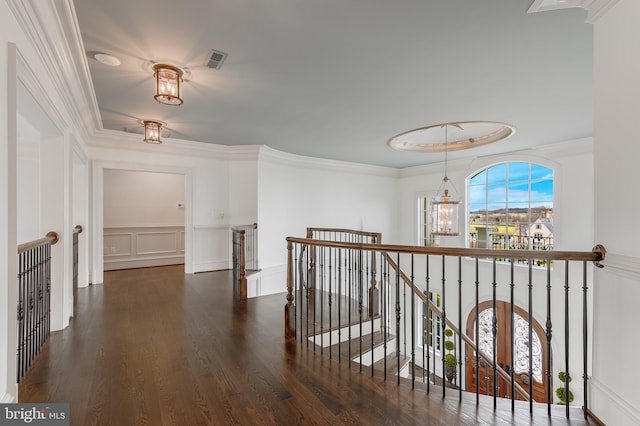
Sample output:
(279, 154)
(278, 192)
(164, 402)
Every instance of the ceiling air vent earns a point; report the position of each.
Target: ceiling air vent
(216, 59)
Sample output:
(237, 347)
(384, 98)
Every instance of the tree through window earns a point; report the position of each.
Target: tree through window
(511, 207)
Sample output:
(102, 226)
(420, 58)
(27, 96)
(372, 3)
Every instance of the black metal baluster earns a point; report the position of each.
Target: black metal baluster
(530, 337)
(398, 317)
(371, 309)
(340, 271)
(512, 334)
(566, 336)
(585, 376)
(549, 334)
(459, 345)
(443, 327)
(494, 333)
(360, 301)
(384, 273)
(413, 327)
(429, 325)
(330, 302)
(477, 336)
(350, 301)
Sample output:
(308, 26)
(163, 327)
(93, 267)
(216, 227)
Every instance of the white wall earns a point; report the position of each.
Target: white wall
(135, 198)
(297, 192)
(209, 211)
(614, 396)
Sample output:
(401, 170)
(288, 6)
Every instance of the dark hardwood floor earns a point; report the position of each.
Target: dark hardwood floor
(155, 347)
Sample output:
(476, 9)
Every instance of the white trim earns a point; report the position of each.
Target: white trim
(595, 8)
(274, 156)
(98, 219)
(114, 139)
(143, 263)
(8, 399)
(212, 265)
(622, 265)
(613, 400)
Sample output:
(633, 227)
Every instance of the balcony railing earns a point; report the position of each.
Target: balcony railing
(34, 299)
(496, 345)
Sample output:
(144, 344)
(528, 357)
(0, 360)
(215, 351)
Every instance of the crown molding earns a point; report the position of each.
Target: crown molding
(271, 155)
(132, 142)
(550, 152)
(51, 28)
(595, 8)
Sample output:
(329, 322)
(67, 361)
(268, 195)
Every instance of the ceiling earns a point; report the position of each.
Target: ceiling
(336, 79)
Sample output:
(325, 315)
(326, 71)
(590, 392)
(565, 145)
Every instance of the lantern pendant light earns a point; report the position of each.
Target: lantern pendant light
(444, 209)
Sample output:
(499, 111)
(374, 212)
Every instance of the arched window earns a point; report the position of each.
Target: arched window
(510, 206)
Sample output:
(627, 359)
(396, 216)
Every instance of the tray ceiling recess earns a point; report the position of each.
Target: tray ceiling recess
(461, 135)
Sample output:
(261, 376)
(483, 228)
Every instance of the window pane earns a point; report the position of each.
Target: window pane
(540, 172)
(498, 173)
(497, 193)
(512, 208)
(478, 194)
(518, 193)
(518, 171)
(479, 178)
(541, 191)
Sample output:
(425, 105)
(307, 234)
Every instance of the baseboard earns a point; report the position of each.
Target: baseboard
(112, 265)
(8, 399)
(214, 265)
(610, 407)
(270, 280)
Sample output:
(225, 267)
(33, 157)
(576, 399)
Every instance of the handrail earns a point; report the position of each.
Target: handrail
(52, 238)
(596, 255)
(78, 229)
(243, 228)
(453, 327)
(378, 235)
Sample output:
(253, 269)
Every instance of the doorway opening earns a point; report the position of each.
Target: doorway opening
(143, 219)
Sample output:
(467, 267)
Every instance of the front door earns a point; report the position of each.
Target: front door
(505, 347)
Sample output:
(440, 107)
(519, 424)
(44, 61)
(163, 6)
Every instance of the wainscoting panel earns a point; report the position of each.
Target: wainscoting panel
(212, 248)
(141, 246)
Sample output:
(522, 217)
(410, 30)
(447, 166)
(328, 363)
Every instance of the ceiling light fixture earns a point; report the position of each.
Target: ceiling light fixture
(444, 209)
(152, 131)
(168, 79)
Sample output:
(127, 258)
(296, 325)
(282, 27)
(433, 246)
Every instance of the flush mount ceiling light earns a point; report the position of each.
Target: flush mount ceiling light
(168, 80)
(153, 131)
(462, 135)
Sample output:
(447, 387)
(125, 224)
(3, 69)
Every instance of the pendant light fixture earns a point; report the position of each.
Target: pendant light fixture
(444, 209)
(152, 131)
(168, 80)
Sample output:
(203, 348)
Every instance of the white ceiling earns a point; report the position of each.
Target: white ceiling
(337, 78)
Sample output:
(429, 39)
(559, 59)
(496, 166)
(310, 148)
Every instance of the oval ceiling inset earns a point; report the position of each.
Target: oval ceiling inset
(460, 135)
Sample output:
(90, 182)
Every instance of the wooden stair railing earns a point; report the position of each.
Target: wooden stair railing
(324, 263)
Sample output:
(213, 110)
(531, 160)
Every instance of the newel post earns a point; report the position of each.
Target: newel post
(290, 308)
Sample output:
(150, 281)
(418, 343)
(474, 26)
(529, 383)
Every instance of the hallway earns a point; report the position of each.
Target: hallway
(155, 346)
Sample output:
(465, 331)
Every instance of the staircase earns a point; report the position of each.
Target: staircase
(370, 305)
